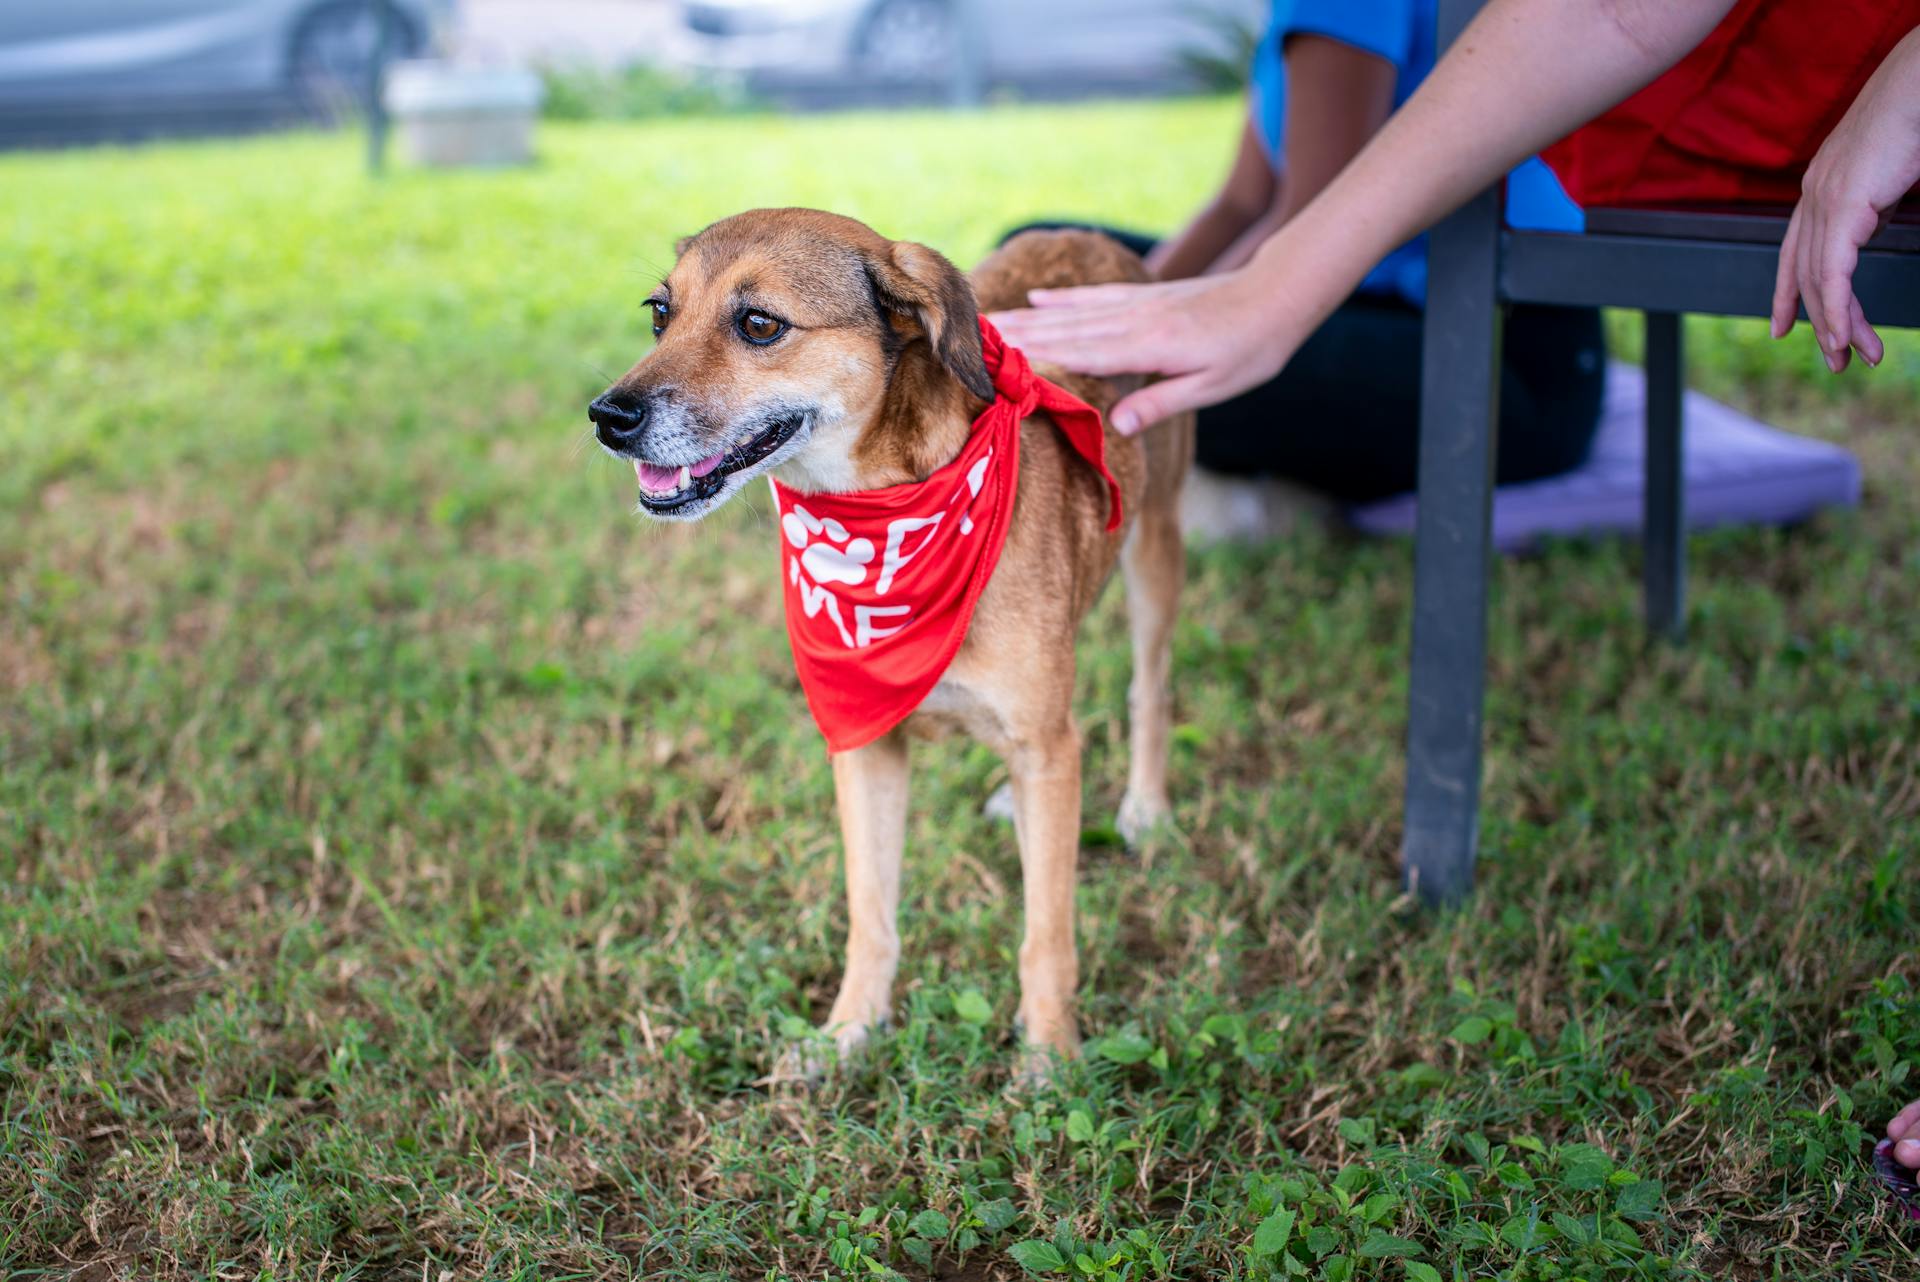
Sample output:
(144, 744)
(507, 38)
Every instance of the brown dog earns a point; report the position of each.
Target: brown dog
(806, 345)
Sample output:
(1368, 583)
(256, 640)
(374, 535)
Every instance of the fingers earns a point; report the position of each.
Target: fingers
(1092, 341)
(1088, 353)
(1117, 293)
(1907, 1153)
(1029, 325)
(1210, 335)
(1805, 269)
(1786, 280)
(1866, 339)
(1817, 261)
(1837, 256)
(1158, 401)
(1083, 295)
(1905, 1121)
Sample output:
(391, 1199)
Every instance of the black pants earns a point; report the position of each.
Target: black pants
(1344, 415)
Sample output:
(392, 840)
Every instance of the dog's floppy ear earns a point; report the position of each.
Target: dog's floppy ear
(915, 281)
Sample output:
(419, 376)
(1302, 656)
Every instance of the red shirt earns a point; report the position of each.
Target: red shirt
(1737, 120)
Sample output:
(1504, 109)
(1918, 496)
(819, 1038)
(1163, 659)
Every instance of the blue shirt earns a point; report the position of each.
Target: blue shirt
(1402, 32)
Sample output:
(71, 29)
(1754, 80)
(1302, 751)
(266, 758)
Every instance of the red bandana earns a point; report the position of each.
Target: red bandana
(881, 584)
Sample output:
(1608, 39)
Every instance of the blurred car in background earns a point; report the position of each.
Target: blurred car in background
(1030, 42)
(92, 68)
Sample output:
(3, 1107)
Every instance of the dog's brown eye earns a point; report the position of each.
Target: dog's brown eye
(659, 315)
(758, 327)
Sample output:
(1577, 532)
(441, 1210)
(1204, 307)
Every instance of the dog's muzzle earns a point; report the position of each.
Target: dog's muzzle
(618, 419)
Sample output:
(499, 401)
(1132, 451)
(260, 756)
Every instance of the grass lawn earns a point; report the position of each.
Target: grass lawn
(409, 863)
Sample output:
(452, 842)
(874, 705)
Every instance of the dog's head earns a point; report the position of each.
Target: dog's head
(779, 336)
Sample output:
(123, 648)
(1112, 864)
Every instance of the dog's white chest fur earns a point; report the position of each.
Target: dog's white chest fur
(958, 704)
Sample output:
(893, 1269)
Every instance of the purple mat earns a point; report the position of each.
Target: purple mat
(1739, 472)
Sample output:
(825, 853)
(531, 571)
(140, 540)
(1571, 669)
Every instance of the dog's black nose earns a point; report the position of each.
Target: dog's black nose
(617, 419)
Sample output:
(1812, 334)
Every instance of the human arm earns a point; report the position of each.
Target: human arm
(1867, 164)
(1523, 74)
(1339, 97)
(1249, 192)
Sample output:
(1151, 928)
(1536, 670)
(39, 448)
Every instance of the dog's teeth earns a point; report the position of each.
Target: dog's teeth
(686, 475)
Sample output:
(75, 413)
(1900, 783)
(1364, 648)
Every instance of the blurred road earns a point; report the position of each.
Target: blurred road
(602, 34)
(599, 33)
(614, 33)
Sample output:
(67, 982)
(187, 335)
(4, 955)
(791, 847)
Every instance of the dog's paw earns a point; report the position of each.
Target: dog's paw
(1038, 1065)
(1143, 818)
(804, 1064)
(809, 1060)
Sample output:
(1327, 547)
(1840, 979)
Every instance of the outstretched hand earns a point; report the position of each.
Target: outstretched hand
(1210, 336)
(1866, 165)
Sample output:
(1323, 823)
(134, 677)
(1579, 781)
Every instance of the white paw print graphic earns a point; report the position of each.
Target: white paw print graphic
(836, 560)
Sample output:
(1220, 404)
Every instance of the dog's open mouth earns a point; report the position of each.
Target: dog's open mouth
(662, 489)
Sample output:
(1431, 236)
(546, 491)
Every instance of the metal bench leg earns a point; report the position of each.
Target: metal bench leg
(1665, 521)
(1459, 417)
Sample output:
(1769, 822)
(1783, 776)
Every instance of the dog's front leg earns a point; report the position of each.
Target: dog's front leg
(1045, 772)
(870, 786)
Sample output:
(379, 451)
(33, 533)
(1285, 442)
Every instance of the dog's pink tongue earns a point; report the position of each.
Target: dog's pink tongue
(655, 479)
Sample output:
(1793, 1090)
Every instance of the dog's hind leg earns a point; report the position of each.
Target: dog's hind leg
(1154, 565)
(1046, 800)
(870, 788)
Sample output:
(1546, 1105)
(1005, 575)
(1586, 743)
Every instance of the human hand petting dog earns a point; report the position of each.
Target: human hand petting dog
(1212, 336)
(1868, 163)
(1525, 73)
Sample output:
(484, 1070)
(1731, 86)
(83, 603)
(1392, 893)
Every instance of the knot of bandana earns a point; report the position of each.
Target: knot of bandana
(881, 584)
